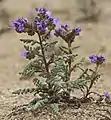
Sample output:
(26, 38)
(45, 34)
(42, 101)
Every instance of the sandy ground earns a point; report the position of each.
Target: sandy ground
(94, 38)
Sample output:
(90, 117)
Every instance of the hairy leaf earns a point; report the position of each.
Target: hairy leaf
(55, 108)
(27, 41)
(40, 103)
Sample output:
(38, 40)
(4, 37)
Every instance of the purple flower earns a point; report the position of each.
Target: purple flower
(39, 25)
(43, 24)
(107, 95)
(77, 31)
(41, 10)
(64, 26)
(96, 59)
(57, 32)
(100, 58)
(50, 19)
(24, 54)
(93, 58)
(35, 20)
(18, 24)
(40, 28)
(53, 20)
(44, 20)
(48, 14)
(37, 9)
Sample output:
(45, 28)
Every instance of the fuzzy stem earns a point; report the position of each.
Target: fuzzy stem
(93, 78)
(43, 54)
(70, 60)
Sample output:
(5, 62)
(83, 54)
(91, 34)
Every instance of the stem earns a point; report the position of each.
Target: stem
(96, 94)
(70, 60)
(43, 54)
(93, 78)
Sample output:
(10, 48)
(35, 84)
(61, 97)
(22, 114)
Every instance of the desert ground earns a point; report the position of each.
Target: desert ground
(95, 37)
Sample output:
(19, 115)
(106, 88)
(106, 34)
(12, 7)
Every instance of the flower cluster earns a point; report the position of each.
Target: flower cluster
(97, 59)
(19, 23)
(43, 23)
(66, 34)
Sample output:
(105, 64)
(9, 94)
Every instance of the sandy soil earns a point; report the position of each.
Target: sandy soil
(94, 38)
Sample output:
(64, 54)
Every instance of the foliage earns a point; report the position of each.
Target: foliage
(52, 74)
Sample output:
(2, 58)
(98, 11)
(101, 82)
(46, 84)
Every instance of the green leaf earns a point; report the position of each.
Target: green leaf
(55, 108)
(33, 101)
(26, 47)
(40, 103)
(27, 41)
(47, 46)
(56, 88)
(79, 83)
(17, 92)
(24, 91)
(32, 68)
(53, 43)
(75, 47)
(65, 51)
